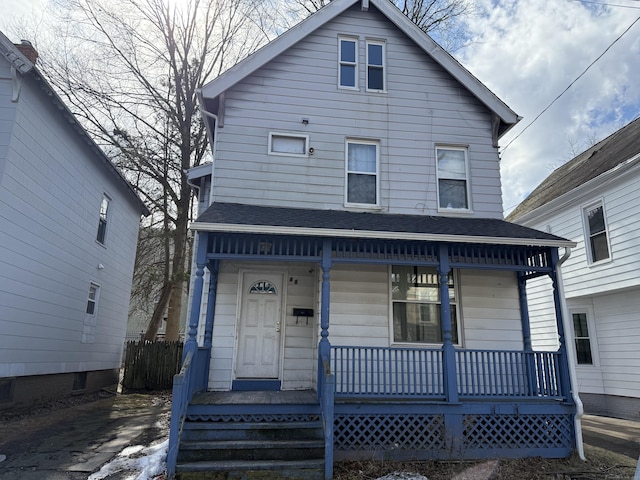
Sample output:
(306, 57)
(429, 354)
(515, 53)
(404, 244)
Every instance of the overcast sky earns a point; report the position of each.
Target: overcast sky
(528, 52)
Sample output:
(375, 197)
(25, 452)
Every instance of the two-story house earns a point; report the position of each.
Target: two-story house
(357, 292)
(593, 200)
(68, 230)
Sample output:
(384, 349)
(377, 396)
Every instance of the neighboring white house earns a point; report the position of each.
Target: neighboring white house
(68, 229)
(354, 233)
(594, 200)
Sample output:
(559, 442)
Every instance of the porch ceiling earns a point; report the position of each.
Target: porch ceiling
(231, 217)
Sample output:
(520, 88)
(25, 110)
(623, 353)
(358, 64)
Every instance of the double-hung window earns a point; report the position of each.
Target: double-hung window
(362, 172)
(596, 233)
(453, 182)
(348, 63)
(581, 336)
(102, 220)
(415, 294)
(375, 65)
(90, 317)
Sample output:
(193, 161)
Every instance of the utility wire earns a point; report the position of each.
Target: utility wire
(571, 84)
(608, 4)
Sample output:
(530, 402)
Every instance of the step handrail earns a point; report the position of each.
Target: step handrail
(181, 397)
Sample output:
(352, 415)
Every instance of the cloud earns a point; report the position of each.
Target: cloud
(528, 52)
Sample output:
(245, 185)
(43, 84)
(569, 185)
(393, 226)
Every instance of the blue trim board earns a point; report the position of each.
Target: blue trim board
(256, 385)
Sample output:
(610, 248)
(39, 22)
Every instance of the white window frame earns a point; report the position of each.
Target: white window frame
(383, 44)
(587, 232)
(345, 38)
(469, 208)
(104, 218)
(593, 338)
(90, 319)
(359, 141)
(305, 138)
(457, 304)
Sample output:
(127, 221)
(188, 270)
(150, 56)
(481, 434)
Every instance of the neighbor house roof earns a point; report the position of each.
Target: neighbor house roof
(232, 217)
(24, 66)
(213, 89)
(618, 148)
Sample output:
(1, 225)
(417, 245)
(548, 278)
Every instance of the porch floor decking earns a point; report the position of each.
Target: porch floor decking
(283, 397)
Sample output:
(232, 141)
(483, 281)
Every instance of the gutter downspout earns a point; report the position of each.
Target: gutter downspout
(571, 353)
(213, 139)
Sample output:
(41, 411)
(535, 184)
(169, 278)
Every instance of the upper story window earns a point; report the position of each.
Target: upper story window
(375, 65)
(453, 182)
(288, 144)
(596, 233)
(348, 62)
(103, 219)
(415, 296)
(362, 173)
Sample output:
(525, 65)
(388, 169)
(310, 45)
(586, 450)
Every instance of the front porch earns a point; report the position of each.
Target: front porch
(391, 402)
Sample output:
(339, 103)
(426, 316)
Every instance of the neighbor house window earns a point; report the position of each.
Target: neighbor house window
(453, 184)
(362, 172)
(375, 65)
(90, 317)
(103, 219)
(581, 335)
(348, 63)
(596, 233)
(415, 293)
(288, 144)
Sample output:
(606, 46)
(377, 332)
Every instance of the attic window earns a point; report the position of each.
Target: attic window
(288, 144)
(348, 63)
(375, 65)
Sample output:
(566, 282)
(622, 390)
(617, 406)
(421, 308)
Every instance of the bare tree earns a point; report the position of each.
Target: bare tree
(130, 69)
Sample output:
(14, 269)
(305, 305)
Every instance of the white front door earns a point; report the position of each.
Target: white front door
(260, 326)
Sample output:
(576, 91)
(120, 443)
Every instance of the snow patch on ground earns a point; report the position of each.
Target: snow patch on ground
(403, 476)
(142, 463)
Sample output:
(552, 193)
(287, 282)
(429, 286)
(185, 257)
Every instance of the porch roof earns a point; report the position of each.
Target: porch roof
(237, 218)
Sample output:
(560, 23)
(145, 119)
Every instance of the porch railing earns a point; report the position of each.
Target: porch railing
(189, 380)
(419, 373)
(378, 371)
(500, 373)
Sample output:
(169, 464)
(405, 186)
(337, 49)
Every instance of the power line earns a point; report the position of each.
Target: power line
(608, 4)
(571, 84)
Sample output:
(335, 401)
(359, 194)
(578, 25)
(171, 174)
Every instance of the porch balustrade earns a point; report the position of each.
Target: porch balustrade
(419, 373)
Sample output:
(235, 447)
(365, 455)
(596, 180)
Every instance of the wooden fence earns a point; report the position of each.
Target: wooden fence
(151, 365)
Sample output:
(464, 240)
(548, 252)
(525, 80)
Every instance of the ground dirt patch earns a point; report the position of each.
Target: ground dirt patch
(600, 465)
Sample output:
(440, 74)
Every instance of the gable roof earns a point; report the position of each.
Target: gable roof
(618, 148)
(24, 67)
(237, 218)
(219, 85)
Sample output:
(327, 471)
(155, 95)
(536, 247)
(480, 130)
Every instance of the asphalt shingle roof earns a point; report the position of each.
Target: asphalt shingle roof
(262, 216)
(602, 157)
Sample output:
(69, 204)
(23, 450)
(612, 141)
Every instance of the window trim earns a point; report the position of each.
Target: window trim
(90, 322)
(458, 307)
(270, 150)
(383, 44)
(361, 141)
(465, 149)
(593, 338)
(347, 38)
(96, 286)
(104, 219)
(587, 232)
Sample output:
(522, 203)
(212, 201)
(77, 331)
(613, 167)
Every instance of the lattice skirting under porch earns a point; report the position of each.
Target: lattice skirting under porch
(405, 436)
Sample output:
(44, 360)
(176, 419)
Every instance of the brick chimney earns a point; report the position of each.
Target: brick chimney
(27, 50)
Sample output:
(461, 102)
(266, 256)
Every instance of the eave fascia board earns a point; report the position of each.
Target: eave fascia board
(14, 56)
(202, 170)
(275, 47)
(580, 192)
(338, 233)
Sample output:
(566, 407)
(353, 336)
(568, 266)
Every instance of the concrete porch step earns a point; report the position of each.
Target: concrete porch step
(251, 450)
(252, 470)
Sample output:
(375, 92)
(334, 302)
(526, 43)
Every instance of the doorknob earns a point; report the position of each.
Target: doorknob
(277, 326)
